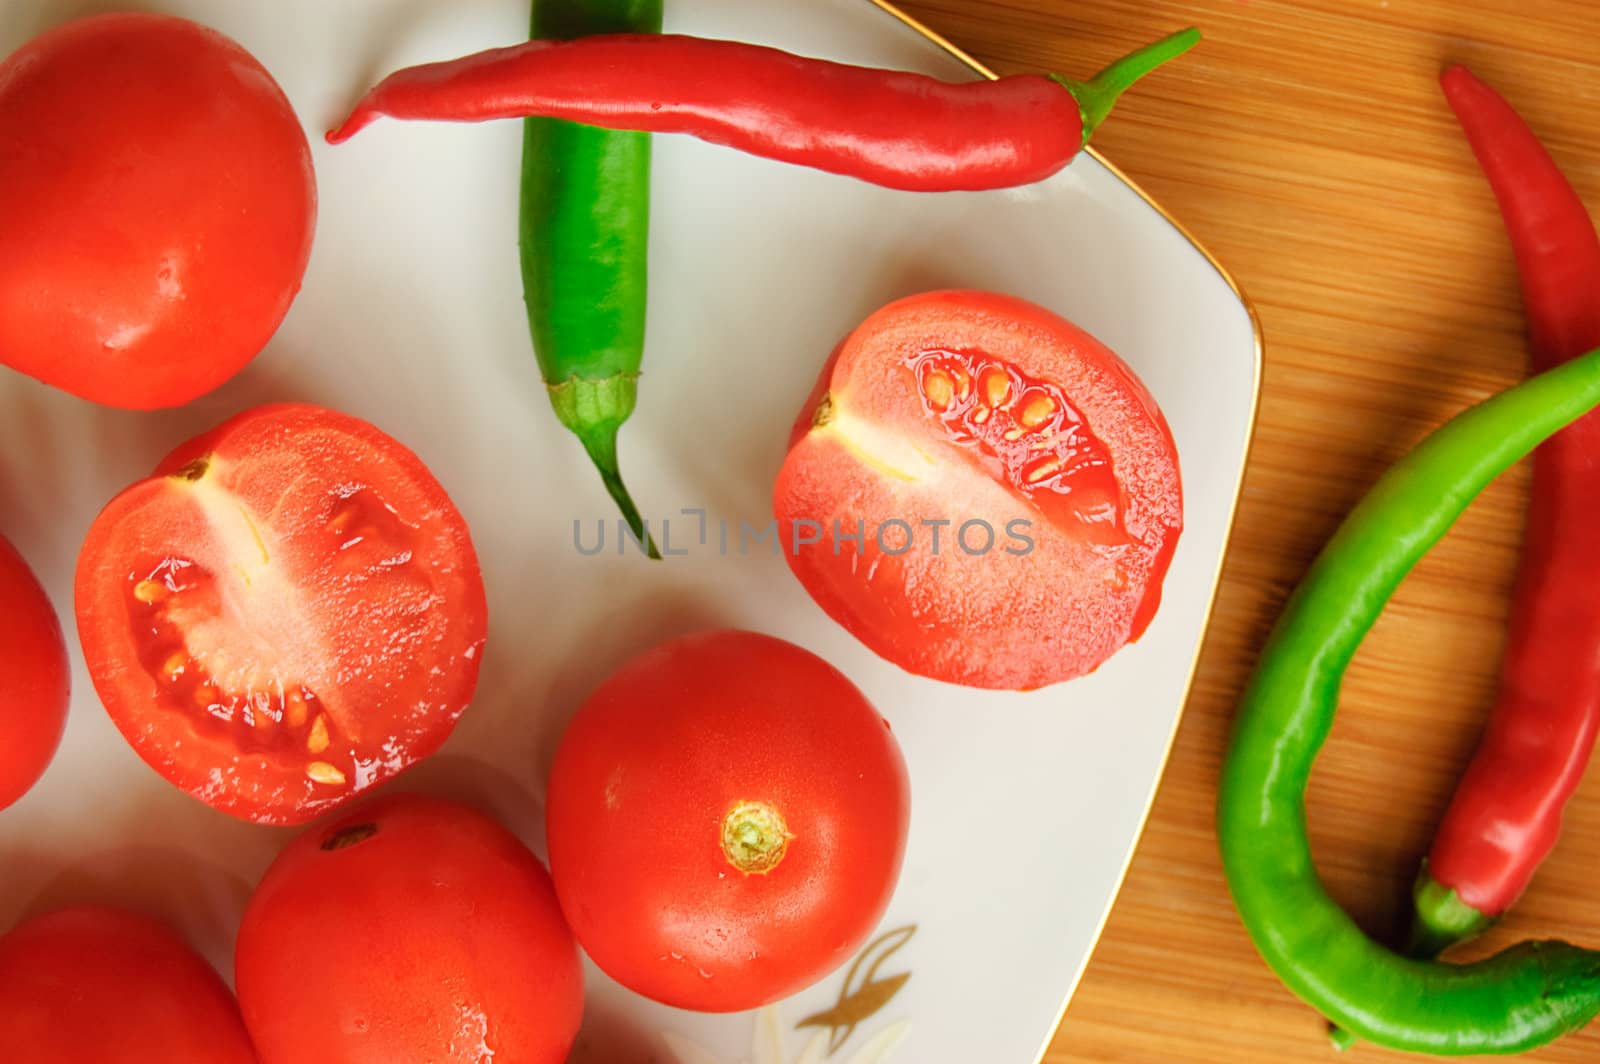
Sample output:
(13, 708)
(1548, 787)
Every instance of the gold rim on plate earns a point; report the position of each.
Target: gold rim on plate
(978, 67)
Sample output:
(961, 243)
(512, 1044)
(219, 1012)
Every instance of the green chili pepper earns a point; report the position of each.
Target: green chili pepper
(585, 227)
(1513, 1001)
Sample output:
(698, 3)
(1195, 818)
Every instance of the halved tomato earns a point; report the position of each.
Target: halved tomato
(287, 613)
(981, 492)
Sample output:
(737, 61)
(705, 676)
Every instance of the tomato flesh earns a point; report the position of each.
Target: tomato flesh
(1032, 448)
(727, 818)
(285, 619)
(229, 675)
(1023, 432)
(33, 678)
(411, 929)
(157, 204)
(113, 987)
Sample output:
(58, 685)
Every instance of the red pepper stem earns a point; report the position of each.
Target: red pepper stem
(1442, 918)
(1099, 94)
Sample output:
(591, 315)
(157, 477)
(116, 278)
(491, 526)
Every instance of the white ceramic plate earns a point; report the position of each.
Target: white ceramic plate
(1026, 807)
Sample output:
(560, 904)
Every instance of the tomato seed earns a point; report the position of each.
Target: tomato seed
(1036, 410)
(150, 592)
(318, 740)
(939, 389)
(295, 709)
(175, 666)
(963, 381)
(322, 772)
(1041, 469)
(996, 386)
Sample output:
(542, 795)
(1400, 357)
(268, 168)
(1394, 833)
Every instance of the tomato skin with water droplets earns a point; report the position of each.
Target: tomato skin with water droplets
(33, 678)
(410, 929)
(981, 492)
(287, 613)
(727, 819)
(112, 987)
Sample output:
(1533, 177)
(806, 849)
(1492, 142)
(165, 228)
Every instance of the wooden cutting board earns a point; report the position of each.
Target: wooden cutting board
(1306, 143)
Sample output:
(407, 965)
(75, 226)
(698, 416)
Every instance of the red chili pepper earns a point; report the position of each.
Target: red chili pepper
(1506, 813)
(903, 130)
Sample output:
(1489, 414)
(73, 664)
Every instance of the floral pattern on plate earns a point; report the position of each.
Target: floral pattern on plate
(861, 997)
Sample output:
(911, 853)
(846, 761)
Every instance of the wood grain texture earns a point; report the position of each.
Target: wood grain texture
(1306, 143)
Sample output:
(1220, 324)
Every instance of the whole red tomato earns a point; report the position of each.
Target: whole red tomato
(287, 612)
(981, 492)
(413, 929)
(156, 209)
(33, 678)
(727, 818)
(111, 987)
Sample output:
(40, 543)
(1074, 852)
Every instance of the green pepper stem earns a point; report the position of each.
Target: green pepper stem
(1099, 94)
(593, 410)
(601, 443)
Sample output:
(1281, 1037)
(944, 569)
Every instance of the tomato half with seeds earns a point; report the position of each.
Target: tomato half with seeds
(113, 987)
(981, 492)
(34, 680)
(412, 929)
(727, 819)
(287, 613)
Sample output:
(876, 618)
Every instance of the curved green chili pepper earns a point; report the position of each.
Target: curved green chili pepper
(1513, 1001)
(585, 224)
